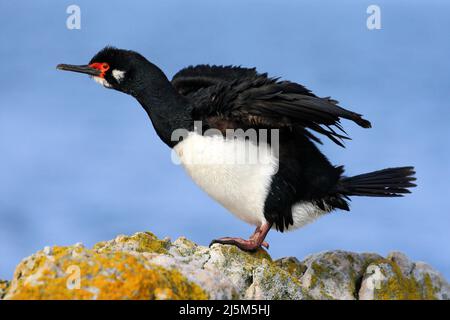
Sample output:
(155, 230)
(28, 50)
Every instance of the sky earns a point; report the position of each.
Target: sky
(79, 163)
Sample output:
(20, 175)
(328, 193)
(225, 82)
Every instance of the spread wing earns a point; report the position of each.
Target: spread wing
(239, 97)
(194, 78)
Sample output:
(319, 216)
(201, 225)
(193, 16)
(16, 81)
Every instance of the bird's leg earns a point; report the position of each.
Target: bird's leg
(255, 241)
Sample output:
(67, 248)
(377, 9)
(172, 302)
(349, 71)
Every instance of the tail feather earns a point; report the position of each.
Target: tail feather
(391, 182)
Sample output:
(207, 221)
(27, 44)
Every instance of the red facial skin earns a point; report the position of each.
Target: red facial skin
(102, 66)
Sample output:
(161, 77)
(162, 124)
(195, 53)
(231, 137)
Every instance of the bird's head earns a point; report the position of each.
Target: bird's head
(114, 68)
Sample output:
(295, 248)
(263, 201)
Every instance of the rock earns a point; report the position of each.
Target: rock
(403, 262)
(142, 266)
(335, 274)
(431, 282)
(3, 287)
(398, 278)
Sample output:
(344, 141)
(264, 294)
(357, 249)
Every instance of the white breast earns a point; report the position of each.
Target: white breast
(228, 171)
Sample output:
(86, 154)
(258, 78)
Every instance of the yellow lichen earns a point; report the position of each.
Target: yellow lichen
(113, 276)
(400, 287)
(250, 257)
(428, 288)
(3, 288)
(320, 272)
(292, 266)
(148, 242)
(142, 241)
(272, 270)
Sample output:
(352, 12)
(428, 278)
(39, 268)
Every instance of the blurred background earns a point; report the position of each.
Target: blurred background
(79, 163)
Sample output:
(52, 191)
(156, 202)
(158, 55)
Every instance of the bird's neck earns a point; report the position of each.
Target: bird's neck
(167, 109)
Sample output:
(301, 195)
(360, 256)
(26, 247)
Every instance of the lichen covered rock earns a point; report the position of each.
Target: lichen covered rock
(78, 273)
(142, 266)
(335, 274)
(3, 287)
(398, 278)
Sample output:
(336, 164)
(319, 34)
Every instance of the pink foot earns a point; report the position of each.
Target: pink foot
(246, 245)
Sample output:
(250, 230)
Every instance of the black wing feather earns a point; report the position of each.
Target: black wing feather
(242, 96)
(193, 78)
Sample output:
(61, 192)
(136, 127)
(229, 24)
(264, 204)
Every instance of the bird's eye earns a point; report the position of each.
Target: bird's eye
(105, 66)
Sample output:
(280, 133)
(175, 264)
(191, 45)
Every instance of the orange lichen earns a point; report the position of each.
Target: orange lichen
(112, 276)
(3, 288)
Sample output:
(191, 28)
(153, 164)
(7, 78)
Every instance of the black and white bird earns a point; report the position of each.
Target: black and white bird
(292, 183)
